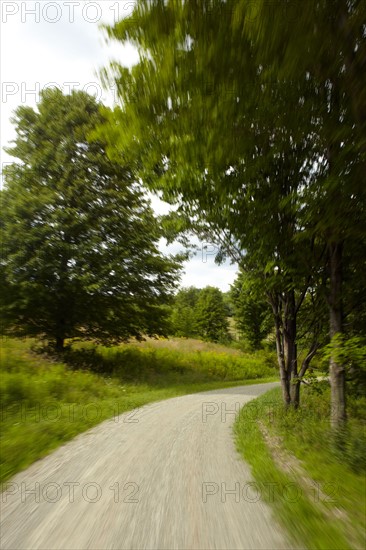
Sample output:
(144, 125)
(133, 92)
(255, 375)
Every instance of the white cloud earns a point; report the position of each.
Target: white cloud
(68, 53)
(201, 270)
(201, 274)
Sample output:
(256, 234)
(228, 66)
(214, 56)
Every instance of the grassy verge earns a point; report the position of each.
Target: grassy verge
(45, 403)
(316, 490)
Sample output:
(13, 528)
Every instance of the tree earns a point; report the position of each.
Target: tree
(326, 48)
(252, 119)
(251, 309)
(183, 312)
(211, 316)
(80, 256)
(211, 133)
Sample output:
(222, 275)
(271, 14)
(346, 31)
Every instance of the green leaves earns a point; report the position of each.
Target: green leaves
(350, 352)
(200, 313)
(80, 238)
(250, 117)
(252, 311)
(211, 315)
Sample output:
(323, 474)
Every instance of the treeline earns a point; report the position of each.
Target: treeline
(201, 313)
(239, 315)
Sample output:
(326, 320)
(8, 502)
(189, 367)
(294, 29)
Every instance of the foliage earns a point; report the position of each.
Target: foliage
(201, 313)
(80, 254)
(322, 51)
(261, 126)
(251, 309)
(163, 366)
(230, 153)
(228, 304)
(350, 352)
(183, 316)
(211, 316)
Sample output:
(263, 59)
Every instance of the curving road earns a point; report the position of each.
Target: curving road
(166, 476)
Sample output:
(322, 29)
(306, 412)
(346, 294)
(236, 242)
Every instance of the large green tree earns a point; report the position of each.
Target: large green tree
(252, 119)
(325, 47)
(183, 316)
(80, 256)
(200, 313)
(211, 315)
(213, 135)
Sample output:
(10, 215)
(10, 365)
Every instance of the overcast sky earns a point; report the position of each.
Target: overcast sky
(48, 43)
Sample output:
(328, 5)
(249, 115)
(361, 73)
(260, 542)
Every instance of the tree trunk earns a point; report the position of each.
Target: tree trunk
(285, 381)
(290, 348)
(286, 331)
(306, 362)
(285, 386)
(60, 344)
(336, 368)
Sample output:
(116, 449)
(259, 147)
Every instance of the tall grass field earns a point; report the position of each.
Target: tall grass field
(45, 402)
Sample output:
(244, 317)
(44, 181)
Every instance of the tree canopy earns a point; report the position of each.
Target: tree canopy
(211, 315)
(252, 120)
(251, 309)
(80, 241)
(183, 316)
(200, 313)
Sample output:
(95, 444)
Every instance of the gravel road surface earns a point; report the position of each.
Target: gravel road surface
(165, 476)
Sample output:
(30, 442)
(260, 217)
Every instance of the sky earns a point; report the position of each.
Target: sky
(60, 43)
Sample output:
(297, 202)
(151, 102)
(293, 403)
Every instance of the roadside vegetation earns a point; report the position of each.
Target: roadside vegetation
(46, 401)
(318, 487)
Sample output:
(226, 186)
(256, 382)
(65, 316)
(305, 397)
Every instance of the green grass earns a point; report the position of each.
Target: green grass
(163, 363)
(324, 508)
(45, 402)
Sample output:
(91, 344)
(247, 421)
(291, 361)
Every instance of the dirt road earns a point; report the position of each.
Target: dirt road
(166, 476)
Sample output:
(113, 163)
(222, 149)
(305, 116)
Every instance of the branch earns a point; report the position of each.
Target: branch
(302, 296)
(306, 362)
